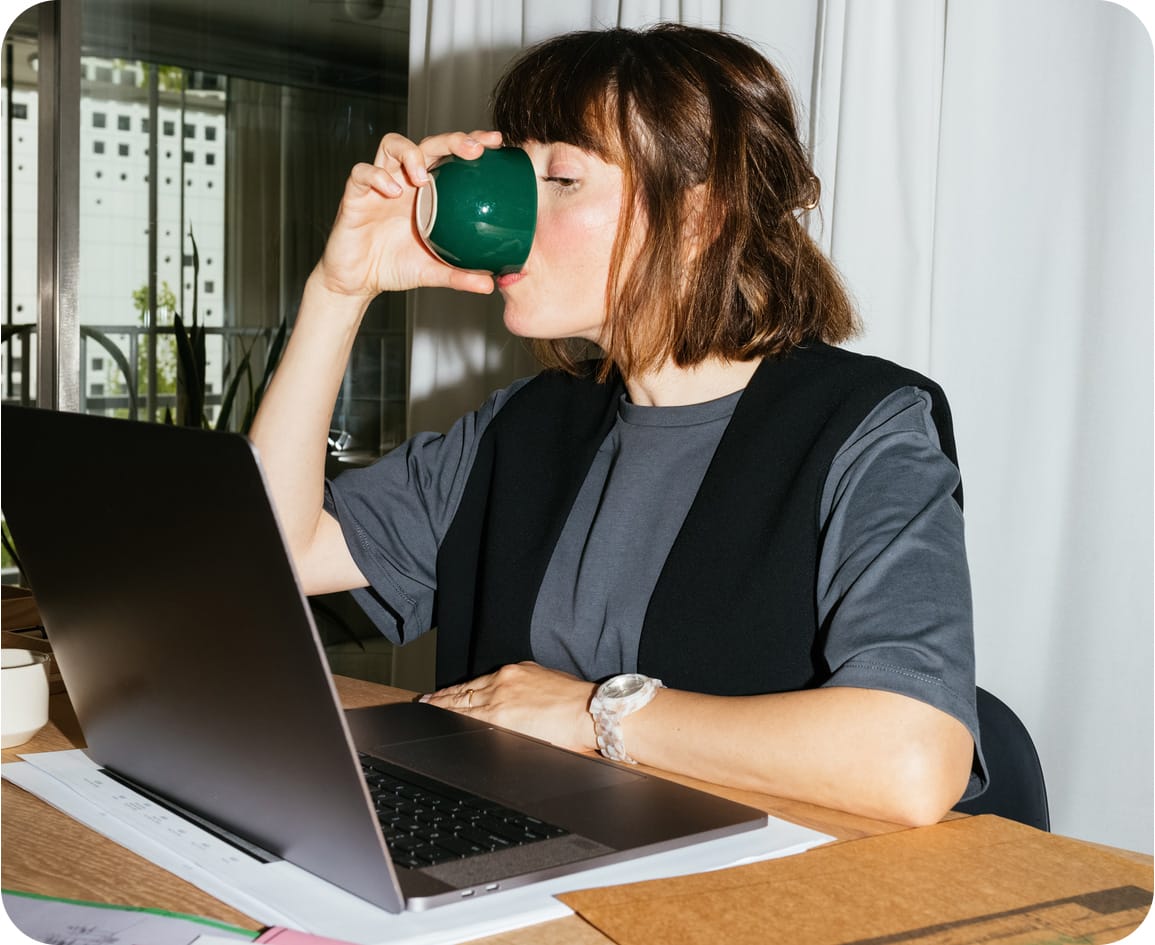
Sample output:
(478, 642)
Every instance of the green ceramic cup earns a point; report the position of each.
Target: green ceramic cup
(480, 213)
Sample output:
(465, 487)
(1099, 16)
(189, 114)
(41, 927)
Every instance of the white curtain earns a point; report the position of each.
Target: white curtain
(987, 193)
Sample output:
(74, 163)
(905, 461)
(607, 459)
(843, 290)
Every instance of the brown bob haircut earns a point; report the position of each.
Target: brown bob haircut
(704, 129)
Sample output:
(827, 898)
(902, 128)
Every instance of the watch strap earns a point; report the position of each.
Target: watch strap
(608, 715)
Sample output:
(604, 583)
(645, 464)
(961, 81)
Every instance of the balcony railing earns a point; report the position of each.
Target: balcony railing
(371, 412)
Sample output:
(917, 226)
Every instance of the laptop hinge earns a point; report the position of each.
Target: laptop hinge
(240, 843)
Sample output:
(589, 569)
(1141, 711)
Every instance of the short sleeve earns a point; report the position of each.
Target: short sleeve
(894, 597)
(395, 513)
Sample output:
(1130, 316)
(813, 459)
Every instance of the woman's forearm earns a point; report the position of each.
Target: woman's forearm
(372, 248)
(867, 751)
(292, 425)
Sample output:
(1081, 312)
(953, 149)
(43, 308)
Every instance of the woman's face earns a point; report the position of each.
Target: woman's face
(561, 290)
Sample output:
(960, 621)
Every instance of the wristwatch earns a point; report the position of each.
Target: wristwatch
(614, 699)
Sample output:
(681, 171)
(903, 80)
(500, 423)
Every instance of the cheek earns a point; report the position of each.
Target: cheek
(582, 237)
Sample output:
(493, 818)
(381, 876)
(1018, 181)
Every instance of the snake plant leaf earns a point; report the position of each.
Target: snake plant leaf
(276, 346)
(189, 375)
(230, 394)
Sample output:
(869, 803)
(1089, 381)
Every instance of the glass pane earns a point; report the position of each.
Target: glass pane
(18, 119)
(213, 152)
(127, 325)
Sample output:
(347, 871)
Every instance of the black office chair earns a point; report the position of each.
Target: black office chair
(1017, 790)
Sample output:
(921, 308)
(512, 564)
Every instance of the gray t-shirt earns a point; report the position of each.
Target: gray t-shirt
(892, 578)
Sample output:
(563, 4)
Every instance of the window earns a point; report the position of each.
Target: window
(264, 112)
(19, 110)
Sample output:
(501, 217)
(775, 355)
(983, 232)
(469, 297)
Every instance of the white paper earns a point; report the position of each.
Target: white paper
(72, 923)
(283, 894)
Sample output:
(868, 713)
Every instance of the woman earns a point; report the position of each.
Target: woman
(724, 503)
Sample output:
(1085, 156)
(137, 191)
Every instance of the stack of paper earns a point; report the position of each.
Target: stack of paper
(281, 894)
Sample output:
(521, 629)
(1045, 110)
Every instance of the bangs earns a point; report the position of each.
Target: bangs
(553, 95)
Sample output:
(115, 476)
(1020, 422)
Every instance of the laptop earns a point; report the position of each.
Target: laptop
(191, 658)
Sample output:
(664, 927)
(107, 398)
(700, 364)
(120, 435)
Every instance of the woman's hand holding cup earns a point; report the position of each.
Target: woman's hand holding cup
(374, 246)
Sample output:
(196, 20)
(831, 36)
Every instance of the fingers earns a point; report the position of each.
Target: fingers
(464, 698)
(458, 142)
(479, 691)
(440, 275)
(458, 690)
(399, 162)
(395, 152)
(528, 698)
(372, 177)
(480, 283)
(461, 701)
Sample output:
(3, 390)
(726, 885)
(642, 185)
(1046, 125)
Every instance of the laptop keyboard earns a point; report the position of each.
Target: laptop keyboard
(426, 824)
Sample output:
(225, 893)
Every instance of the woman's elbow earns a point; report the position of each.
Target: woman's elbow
(931, 779)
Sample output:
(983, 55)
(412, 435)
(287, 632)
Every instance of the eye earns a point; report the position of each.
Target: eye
(562, 182)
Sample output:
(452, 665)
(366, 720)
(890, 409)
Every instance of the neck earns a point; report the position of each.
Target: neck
(673, 386)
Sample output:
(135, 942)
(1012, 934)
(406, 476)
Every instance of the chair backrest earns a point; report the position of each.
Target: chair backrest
(1017, 790)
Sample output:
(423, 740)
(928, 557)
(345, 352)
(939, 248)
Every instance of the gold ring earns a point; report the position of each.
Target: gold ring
(469, 698)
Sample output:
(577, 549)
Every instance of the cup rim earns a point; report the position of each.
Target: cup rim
(426, 208)
(27, 657)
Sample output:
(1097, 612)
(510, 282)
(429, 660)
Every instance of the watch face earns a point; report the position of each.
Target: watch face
(621, 687)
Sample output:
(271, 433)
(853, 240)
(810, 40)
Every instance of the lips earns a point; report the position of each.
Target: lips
(509, 279)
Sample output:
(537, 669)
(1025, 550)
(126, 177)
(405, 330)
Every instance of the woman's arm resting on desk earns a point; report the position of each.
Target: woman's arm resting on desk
(867, 751)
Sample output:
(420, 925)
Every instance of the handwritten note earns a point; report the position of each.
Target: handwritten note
(68, 922)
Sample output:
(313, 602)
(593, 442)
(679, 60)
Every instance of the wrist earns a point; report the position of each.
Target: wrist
(615, 700)
(586, 732)
(334, 301)
(325, 283)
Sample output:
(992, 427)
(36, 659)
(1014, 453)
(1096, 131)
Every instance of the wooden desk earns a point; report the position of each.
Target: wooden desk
(46, 851)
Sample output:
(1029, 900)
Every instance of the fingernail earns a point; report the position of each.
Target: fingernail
(393, 189)
(424, 698)
(473, 141)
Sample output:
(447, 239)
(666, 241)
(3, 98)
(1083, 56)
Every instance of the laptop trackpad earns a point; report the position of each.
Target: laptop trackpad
(504, 766)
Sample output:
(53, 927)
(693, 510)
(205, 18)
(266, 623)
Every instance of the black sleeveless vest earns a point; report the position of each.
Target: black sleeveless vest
(734, 609)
